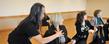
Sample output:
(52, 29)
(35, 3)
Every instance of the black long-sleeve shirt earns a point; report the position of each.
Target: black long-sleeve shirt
(79, 35)
(23, 33)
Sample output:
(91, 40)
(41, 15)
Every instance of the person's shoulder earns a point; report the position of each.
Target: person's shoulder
(94, 18)
(77, 24)
(28, 23)
(87, 21)
(62, 25)
(106, 24)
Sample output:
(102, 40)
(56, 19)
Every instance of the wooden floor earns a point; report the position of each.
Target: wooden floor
(68, 23)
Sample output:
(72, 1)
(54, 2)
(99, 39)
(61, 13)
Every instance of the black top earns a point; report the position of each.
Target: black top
(80, 34)
(52, 30)
(23, 33)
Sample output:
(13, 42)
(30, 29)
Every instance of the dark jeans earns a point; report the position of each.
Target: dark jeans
(98, 37)
(106, 34)
(81, 41)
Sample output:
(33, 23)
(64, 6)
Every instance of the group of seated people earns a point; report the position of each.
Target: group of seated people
(83, 28)
(57, 32)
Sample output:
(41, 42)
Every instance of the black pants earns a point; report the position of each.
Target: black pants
(98, 37)
(106, 34)
(81, 41)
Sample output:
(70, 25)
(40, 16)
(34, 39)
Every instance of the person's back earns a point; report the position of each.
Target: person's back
(23, 33)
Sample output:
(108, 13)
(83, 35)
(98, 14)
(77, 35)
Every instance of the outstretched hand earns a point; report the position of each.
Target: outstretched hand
(59, 32)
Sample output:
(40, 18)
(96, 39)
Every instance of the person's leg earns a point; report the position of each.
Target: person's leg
(106, 34)
(81, 42)
(101, 37)
(95, 38)
(95, 41)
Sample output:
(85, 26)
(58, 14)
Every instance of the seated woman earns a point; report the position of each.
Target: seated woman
(58, 23)
(98, 23)
(83, 28)
(106, 30)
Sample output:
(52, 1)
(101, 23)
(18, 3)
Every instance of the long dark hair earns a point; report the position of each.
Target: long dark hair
(97, 12)
(35, 14)
(80, 17)
(108, 20)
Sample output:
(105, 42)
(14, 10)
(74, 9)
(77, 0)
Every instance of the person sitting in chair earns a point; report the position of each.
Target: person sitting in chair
(58, 23)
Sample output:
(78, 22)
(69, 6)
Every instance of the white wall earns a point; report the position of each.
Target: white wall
(92, 5)
(22, 7)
